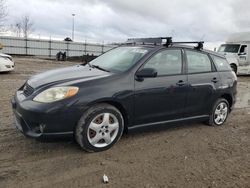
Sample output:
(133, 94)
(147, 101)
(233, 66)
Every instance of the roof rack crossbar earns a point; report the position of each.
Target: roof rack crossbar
(166, 41)
(199, 44)
(145, 40)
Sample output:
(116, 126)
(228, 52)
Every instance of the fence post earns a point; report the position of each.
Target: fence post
(67, 49)
(50, 54)
(85, 47)
(102, 47)
(26, 46)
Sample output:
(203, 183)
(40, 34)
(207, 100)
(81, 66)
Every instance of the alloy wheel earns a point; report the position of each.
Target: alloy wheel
(103, 130)
(220, 114)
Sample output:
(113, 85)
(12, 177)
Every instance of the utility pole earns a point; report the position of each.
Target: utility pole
(73, 26)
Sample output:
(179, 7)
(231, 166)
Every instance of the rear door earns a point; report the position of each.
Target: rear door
(162, 98)
(203, 80)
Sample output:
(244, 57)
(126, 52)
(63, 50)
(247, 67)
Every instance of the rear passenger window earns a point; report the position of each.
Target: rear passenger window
(221, 63)
(167, 62)
(198, 62)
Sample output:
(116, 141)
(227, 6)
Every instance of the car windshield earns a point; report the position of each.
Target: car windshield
(119, 59)
(230, 48)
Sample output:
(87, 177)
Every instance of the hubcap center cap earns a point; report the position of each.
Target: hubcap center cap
(104, 129)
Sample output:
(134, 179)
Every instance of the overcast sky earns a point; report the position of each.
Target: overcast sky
(116, 20)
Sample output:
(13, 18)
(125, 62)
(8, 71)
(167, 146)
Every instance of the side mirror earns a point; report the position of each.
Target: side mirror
(147, 73)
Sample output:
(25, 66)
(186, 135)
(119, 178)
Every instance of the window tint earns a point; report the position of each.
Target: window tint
(166, 62)
(198, 62)
(221, 63)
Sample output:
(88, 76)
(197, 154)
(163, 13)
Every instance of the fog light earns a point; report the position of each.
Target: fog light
(42, 127)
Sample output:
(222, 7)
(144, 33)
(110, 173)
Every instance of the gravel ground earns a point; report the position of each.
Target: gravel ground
(187, 155)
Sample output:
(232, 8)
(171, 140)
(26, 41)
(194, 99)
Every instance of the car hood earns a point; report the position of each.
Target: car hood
(232, 58)
(5, 55)
(6, 61)
(58, 76)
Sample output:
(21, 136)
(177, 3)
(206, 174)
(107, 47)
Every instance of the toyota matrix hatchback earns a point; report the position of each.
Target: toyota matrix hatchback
(143, 83)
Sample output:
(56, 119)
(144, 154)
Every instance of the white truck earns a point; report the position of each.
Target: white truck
(237, 51)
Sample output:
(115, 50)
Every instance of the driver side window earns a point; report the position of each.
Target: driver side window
(243, 49)
(167, 62)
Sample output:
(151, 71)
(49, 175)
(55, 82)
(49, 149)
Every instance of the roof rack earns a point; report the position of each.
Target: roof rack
(166, 41)
(198, 47)
(155, 41)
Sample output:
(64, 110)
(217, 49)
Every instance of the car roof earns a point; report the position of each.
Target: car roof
(202, 50)
(166, 42)
(189, 47)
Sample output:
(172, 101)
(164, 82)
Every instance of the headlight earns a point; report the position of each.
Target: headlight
(56, 94)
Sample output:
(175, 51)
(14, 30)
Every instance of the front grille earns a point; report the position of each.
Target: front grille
(28, 90)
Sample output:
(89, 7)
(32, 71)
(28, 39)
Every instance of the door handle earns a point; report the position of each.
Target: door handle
(214, 80)
(181, 83)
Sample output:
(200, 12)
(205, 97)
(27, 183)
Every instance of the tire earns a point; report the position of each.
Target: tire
(234, 68)
(100, 127)
(219, 114)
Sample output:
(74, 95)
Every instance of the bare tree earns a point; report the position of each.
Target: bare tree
(3, 12)
(25, 26)
(17, 28)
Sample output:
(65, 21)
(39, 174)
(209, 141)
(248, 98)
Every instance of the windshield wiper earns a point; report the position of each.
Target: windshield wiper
(98, 67)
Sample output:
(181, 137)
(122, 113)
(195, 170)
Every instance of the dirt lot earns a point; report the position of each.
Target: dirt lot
(193, 155)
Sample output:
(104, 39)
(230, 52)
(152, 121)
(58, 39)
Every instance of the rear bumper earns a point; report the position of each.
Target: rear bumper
(37, 120)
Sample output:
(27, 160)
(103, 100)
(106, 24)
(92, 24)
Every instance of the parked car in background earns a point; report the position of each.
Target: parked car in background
(237, 49)
(145, 82)
(6, 63)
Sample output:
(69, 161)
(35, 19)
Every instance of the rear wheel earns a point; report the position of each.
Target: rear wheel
(220, 113)
(99, 128)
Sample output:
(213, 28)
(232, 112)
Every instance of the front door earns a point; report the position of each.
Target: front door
(243, 56)
(162, 98)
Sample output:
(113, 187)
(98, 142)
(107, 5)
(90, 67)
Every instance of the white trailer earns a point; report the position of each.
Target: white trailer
(238, 46)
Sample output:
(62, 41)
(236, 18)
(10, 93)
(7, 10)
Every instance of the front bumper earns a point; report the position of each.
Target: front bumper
(37, 119)
(8, 68)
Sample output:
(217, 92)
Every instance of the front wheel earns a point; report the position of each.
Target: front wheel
(99, 128)
(220, 113)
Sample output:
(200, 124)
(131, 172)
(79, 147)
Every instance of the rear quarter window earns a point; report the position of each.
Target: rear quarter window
(221, 63)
